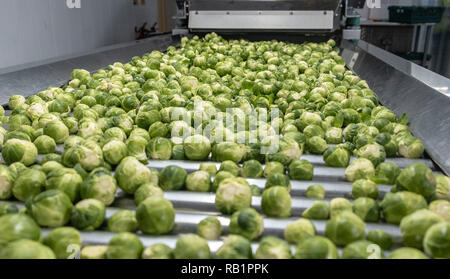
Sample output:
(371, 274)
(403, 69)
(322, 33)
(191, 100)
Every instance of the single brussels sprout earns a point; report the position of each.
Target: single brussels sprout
(88, 214)
(172, 178)
(373, 152)
(441, 208)
(94, 252)
(367, 209)
(198, 181)
(318, 210)
(178, 152)
(336, 157)
(220, 176)
(159, 149)
(364, 188)
(410, 147)
(51, 157)
(395, 206)
(26, 249)
(155, 215)
(316, 145)
(131, 167)
(300, 170)
(345, 228)
(51, 166)
(417, 178)
(233, 194)
(437, 241)
(276, 202)
(362, 249)
(16, 150)
(272, 168)
(442, 187)
(124, 245)
(415, 225)
(88, 154)
(99, 185)
(17, 226)
(157, 251)
(235, 247)
(315, 191)
(45, 144)
(278, 179)
(16, 101)
(251, 169)
(316, 247)
(386, 173)
(191, 246)
(114, 151)
(247, 222)
(287, 151)
(66, 180)
(6, 182)
(51, 208)
(123, 221)
(147, 190)
(407, 253)
(231, 167)
(333, 135)
(224, 151)
(209, 168)
(56, 130)
(256, 191)
(381, 238)
(8, 208)
(61, 240)
(271, 247)
(158, 129)
(361, 168)
(209, 228)
(299, 230)
(197, 147)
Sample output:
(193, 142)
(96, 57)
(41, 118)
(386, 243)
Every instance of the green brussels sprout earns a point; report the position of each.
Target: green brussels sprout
(373, 152)
(147, 190)
(16, 150)
(114, 151)
(333, 135)
(144, 119)
(386, 173)
(158, 129)
(28, 184)
(71, 124)
(364, 188)
(197, 147)
(191, 246)
(159, 149)
(316, 145)
(124, 245)
(94, 252)
(198, 181)
(300, 170)
(278, 179)
(220, 176)
(367, 209)
(272, 168)
(315, 191)
(51, 157)
(362, 249)
(233, 194)
(51, 208)
(123, 221)
(271, 247)
(154, 176)
(381, 238)
(251, 169)
(88, 214)
(56, 130)
(224, 151)
(299, 230)
(17, 226)
(318, 210)
(361, 168)
(131, 167)
(235, 247)
(442, 187)
(316, 247)
(114, 133)
(417, 178)
(172, 178)
(155, 215)
(16, 101)
(209, 168)
(88, 154)
(177, 152)
(339, 205)
(436, 241)
(276, 202)
(26, 249)
(287, 151)
(8, 208)
(99, 185)
(410, 147)
(209, 228)
(336, 157)
(407, 253)
(345, 228)
(441, 208)
(45, 144)
(60, 240)
(230, 166)
(6, 182)
(256, 191)
(395, 206)
(157, 251)
(247, 222)
(51, 166)
(415, 225)
(66, 180)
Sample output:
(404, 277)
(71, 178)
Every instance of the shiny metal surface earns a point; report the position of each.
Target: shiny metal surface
(271, 5)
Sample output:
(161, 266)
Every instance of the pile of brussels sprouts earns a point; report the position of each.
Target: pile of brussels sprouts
(67, 151)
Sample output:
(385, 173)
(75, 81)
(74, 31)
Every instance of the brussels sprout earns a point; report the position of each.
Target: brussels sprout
(299, 230)
(154, 176)
(272, 168)
(172, 178)
(235, 247)
(88, 214)
(177, 152)
(209, 168)
(247, 222)
(66, 180)
(88, 154)
(16, 150)
(61, 240)
(157, 251)
(318, 210)
(373, 152)
(272, 247)
(51, 208)
(339, 205)
(220, 176)
(333, 135)
(386, 173)
(124, 245)
(345, 228)
(230, 167)
(114, 151)
(56, 130)
(364, 188)
(410, 147)
(381, 238)
(233, 194)
(197, 147)
(131, 167)
(278, 179)
(51, 166)
(191, 246)
(155, 215)
(95, 252)
(147, 190)
(362, 249)
(198, 181)
(441, 208)
(123, 221)
(415, 225)
(287, 151)
(395, 206)
(51, 157)
(224, 151)
(256, 191)
(8, 208)
(99, 185)
(251, 169)
(436, 241)
(316, 145)
(26, 249)
(316, 247)
(209, 228)
(6, 182)
(300, 170)
(17, 226)
(315, 192)
(367, 209)
(45, 144)
(158, 129)
(407, 253)
(15, 101)
(336, 157)
(361, 168)
(276, 202)
(159, 149)
(442, 187)
(417, 178)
